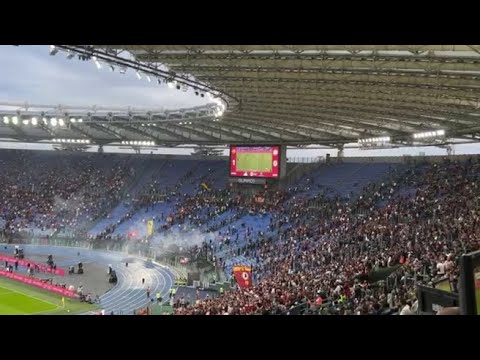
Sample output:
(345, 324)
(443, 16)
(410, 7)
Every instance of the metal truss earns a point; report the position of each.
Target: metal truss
(328, 95)
(336, 93)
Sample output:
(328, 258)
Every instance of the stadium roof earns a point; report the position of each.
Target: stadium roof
(309, 94)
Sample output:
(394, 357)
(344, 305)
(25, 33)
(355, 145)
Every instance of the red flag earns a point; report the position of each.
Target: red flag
(259, 199)
(243, 275)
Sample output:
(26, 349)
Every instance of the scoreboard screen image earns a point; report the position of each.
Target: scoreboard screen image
(255, 161)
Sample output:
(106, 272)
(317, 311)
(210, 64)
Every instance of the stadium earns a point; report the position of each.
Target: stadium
(268, 180)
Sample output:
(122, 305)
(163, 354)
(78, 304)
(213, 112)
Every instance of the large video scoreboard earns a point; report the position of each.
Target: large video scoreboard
(255, 161)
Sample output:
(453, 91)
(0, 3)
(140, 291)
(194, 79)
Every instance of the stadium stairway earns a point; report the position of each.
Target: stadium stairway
(256, 222)
(169, 175)
(149, 170)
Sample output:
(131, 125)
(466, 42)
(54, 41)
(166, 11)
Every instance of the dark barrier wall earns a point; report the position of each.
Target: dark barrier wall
(431, 300)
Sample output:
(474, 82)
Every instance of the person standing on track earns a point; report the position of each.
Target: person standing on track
(148, 292)
(143, 281)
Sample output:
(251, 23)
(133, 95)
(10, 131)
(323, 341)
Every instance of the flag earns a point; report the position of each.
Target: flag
(243, 275)
(63, 301)
(150, 228)
(259, 199)
(205, 186)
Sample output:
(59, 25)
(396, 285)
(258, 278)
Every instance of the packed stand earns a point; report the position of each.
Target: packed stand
(330, 248)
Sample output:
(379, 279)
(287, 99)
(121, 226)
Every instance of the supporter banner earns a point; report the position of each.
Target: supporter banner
(150, 228)
(23, 262)
(38, 283)
(243, 275)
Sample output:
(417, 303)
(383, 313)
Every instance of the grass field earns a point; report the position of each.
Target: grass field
(21, 299)
(254, 162)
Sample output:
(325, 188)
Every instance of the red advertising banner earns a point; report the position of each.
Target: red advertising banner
(38, 283)
(23, 262)
(243, 275)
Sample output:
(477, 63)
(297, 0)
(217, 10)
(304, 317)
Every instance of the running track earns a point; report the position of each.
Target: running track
(129, 294)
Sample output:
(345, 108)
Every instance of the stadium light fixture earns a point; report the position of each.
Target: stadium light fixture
(384, 139)
(34, 121)
(53, 50)
(80, 120)
(6, 120)
(61, 122)
(429, 134)
(25, 122)
(45, 121)
(73, 120)
(14, 120)
(53, 122)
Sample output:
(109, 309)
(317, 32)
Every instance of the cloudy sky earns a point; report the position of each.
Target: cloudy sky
(30, 74)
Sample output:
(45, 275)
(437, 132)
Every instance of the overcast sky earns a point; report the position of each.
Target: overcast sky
(30, 74)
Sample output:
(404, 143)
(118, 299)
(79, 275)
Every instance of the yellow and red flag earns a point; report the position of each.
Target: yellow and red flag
(150, 228)
(243, 275)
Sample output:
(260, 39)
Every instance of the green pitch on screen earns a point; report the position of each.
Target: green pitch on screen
(254, 162)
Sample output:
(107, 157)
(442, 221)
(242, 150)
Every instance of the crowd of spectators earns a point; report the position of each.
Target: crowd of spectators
(57, 192)
(325, 250)
(319, 251)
